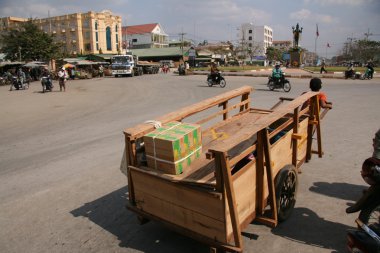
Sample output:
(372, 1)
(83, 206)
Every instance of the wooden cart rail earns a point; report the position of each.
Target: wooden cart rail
(179, 115)
(219, 218)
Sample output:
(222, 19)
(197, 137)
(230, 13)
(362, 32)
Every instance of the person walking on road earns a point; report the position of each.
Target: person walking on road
(62, 75)
(323, 65)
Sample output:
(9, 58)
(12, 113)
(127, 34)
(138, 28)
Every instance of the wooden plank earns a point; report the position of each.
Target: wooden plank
(142, 129)
(181, 216)
(231, 199)
(196, 200)
(224, 112)
(186, 232)
(270, 177)
(251, 128)
(295, 137)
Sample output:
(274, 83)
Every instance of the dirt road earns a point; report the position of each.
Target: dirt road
(61, 189)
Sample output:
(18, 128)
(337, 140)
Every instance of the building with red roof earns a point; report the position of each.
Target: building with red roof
(144, 36)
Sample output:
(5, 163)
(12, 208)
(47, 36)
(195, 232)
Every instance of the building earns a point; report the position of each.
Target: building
(81, 33)
(255, 39)
(283, 45)
(144, 36)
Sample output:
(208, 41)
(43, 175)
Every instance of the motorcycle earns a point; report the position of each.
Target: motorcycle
(18, 84)
(367, 75)
(217, 80)
(352, 74)
(47, 83)
(281, 83)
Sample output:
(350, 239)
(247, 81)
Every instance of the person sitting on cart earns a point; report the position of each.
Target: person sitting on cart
(316, 85)
(277, 74)
(214, 71)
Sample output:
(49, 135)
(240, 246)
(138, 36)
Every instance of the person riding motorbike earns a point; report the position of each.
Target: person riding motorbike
(21, 77)
(46, 78)
(350, 71)
(370, 70)
(214, 72)
(277, 74)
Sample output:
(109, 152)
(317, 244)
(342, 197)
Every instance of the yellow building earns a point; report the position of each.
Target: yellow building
(82, 33)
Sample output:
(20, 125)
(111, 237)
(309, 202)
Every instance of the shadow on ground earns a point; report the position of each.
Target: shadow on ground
(109, 212)
(305, 226)
(344, 191)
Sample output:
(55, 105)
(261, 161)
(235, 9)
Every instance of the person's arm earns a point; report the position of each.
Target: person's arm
(325, 104)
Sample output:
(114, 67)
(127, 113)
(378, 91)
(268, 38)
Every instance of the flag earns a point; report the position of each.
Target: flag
(317, 33)
(328, 45)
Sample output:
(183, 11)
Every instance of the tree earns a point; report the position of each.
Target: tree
(29, 43)
(274, 54)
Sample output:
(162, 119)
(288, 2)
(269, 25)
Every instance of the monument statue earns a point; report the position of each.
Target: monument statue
(296, 35)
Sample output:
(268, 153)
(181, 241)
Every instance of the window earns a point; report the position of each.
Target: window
(87, 35)
(250, 31)
(134, 40)
(250, 38)
(96, 25)
(108, 38)
(87, 46)
(96, 37)
(116, 28)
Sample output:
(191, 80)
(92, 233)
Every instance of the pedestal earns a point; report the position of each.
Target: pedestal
(296, 58)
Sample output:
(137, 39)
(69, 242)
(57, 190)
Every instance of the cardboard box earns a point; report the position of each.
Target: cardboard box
(172, 147)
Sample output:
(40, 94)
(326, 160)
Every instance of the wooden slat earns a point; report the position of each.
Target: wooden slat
(142, 129)
(231, 199)
(202, 202)
(253, 127)
(224, 112)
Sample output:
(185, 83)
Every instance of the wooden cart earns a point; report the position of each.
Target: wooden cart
(223, 191)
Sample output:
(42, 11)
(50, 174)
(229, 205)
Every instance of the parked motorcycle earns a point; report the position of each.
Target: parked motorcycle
(217, 80)
(47, 83)
(18, 84)
(281, 83)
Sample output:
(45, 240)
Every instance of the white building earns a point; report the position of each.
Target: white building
(255, 39)
(144, 36)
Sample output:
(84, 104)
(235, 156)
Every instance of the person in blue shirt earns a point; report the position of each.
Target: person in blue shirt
(277, 74)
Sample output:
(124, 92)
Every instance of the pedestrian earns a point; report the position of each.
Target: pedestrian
(101, 71)
(62, 75)
(323, 65)
(316, 85)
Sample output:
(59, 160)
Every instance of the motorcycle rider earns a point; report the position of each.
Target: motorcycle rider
(21, 77)
(46, 74)
(214, 72)
(277, 74)
(370, 70)
(350, 70)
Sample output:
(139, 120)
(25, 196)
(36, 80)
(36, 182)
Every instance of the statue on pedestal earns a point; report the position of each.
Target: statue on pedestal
(296, 35)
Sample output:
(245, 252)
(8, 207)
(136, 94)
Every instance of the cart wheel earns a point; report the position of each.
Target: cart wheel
(286, 190)
(370, 214)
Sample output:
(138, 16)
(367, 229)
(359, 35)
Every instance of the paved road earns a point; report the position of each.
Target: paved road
(61, 189)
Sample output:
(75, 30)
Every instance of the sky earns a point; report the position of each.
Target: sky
(339, 21)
